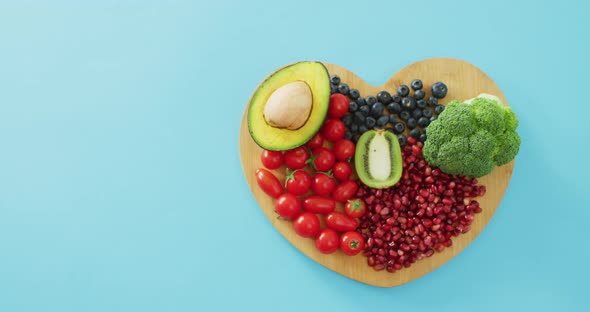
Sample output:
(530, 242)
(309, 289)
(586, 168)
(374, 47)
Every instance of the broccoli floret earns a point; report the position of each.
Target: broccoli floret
(473, 137)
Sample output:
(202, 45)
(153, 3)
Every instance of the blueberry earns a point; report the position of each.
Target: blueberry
(354, 127)
(408, 103)
(394, 108)
(403, 90)
(419, 94)
(363, 129)
(370, 100)
(347, 120)
(439, 90)
(382, 121)
(370, 122)
(432, 101)
(411, 122)
(354, 94)
(359, 117)
(399, 127)
(421, 104)
(415, 133)
(422, 137)
(402, 140)
(405, 115)
(392, 119)
(439, 109)
(360, 101)
(333, 89)
(353, 107)
(364, 110)
(390, 130)
(335, 79)
(417, 113)
(433, 118)
(348, 135)
(416, 84)
(396, 98)
(423, 122)
(355, 138)
(426, 113)
(384, 97)
(343, 88)
(377, 109)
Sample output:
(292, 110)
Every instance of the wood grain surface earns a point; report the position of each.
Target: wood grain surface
(464, 81)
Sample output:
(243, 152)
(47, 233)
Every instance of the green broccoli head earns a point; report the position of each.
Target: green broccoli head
(488, 114)
(457, 118)
(510, 119)
(508, 146)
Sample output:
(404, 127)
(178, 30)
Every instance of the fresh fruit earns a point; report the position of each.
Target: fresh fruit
(327, 241)
(323, 159)
(384, 97)
(439, 109)
(343, 88)
(306, 224)
(323, 184)
(296, 158)
(333, 129)
(343, 150)
(408, 103)
(335, 79)
(344, 191)
(370, 100)
(316, 142)
(298, 182)
(404, 115)
(415, 133)
(402, 139)
(419, 94)
(378, 159)
(377, 109)
(439, 90)
(342, 171)
(340, 222)
(352, 243)
(403, 90)
(416, 84)
(268, 183)
(355, 207)
(287, 206)
(338, 105)
(289, 107)
(319, 204)
(353, 94)
(271, 159)
(353, 107)
(411, 122)
(399, 127)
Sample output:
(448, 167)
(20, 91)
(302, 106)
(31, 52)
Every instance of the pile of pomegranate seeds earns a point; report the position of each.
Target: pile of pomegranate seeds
(419, 215)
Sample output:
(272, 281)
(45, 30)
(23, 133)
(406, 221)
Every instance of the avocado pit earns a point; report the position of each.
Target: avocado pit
(289, 106)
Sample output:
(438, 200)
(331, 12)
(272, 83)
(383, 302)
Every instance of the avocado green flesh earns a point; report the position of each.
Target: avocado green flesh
(378, 159)
(316, 76)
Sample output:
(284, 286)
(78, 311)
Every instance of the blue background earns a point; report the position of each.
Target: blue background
(121, 187)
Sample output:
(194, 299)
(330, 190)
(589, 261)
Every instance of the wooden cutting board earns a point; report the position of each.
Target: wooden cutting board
(464, 81)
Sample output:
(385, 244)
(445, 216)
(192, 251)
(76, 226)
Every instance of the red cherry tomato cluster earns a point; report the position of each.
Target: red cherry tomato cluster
(317, 191)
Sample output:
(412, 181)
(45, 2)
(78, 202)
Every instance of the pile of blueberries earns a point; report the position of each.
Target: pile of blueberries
(395, 113)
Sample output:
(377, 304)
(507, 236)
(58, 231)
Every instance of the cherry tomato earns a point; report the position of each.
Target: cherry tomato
(319, 204)
(327, 241)
(344, 191)
(306, 224)
(298, 182)
(288, 206)
(323, 159)
(338, 105)
(323, 183)
(296, 158)
(342, 171)
(352, 243)
(271, 159)
(316, 142)
(355, 207)
(333, 129)
(344, 149)
(268, 183)
(340, 222)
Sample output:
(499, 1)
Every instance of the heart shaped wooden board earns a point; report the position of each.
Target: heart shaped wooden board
(464, 81)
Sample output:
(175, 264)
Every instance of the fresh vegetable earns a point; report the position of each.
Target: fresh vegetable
(323, 184)
(340, 222)
(342, 171)
(473, 137)
(323, 159)
(316, 142)
(344, 191)
(268, 183)
(296, 158)
(352, 243)
(343, 149)
(338, 105)
(355, 207)
(327, 241)
(333, 129)
(287, 206)
(319, 204)
(306, 224)
(271, 159)
(297, 182)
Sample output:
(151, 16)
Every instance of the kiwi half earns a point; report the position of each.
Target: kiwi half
(378, 159)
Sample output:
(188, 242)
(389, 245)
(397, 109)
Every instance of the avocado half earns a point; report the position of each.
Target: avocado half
(316, 76)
